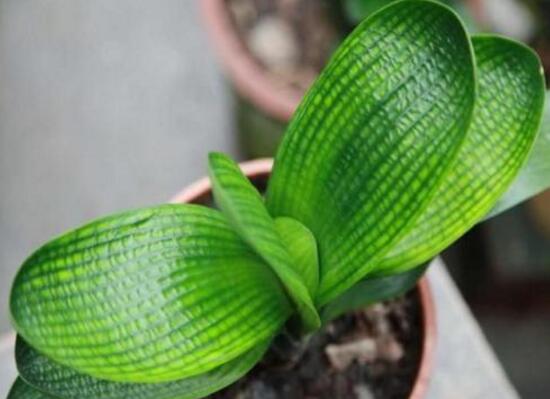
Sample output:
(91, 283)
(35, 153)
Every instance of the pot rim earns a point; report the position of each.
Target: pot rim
(258, 167)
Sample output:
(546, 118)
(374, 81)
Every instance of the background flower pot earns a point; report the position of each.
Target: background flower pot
(524, 20)
(262, 108)
(262, 104)
(258, 172)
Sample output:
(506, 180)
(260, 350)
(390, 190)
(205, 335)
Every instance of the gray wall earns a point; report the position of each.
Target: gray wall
(104, 105)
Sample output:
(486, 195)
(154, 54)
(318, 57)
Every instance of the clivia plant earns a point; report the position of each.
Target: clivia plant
(408, 138)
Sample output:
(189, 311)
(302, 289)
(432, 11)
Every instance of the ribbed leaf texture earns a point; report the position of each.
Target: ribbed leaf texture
(374, 136)
(148, 296)
(66, 383)
(402, 144)
(498, 142)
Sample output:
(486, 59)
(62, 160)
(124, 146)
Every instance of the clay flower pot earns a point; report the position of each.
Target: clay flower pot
(263, 108)
(258, 172)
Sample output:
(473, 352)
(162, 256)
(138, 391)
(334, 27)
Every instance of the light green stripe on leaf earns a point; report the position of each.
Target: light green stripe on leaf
(151, 295)
(373, 137)
(506, 120)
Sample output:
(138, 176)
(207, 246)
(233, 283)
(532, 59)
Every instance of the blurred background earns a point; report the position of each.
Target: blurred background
(109, 105)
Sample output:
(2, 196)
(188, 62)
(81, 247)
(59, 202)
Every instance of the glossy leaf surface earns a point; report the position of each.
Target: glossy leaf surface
(152, 295)
(244, 207)
(66, 383)
(374, 136)
(506, 121)
(534, 177)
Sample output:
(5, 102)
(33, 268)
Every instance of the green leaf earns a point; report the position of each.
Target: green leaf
(64, 382)
(506, 121)
(151, 295)
(301, 245)
(244, 207)
(21, 390)
(372, 290)
(534, 177)
(374, 136)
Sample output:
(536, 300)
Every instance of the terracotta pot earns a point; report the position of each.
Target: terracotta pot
(539, 210)
(249, 78)
(477, 10)
(262, 107)
(258, 172)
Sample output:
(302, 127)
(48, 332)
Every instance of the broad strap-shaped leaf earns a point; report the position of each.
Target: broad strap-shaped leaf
(64, 382)
(243, 205)
(534, 177)
(371, 290)
(374, 136)
(151, 295)
(506, 121)
(21, 390)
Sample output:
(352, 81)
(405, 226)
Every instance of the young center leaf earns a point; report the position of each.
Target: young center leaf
(506, 121)
(302, 247)
(152, 295)
(374, 136)
(243, 205)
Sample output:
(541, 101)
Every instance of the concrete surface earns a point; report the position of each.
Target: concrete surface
(465, 366)
(110, 105)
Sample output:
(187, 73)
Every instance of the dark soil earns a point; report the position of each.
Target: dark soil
(373, 353)
(293, 39)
